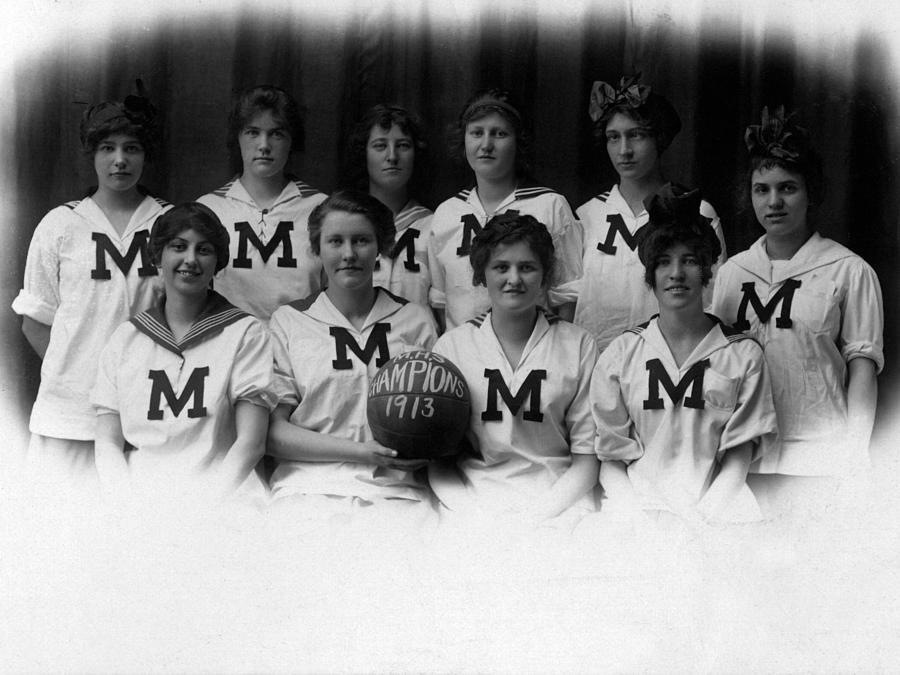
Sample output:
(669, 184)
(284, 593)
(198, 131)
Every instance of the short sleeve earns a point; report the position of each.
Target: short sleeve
(425, 331)
(579, 420)
(285, 384)
(39, 297)
(753, 419)
(708, 211)
(105, 393)
(862, 317)
(567, 239)
(253, 373)
(614, 424)
(437, 296)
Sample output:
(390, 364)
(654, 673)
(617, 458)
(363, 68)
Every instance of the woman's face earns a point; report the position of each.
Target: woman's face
(491, 148)
(119, 162)
(780, 201)
(348, 248)
(390, 154)
(678, 278)
(265, 146)
(631, 147)
(514, 277)
(188, 263)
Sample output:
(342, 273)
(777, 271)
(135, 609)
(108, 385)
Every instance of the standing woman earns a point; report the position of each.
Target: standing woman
(682, 403)
(386, 158)
(635, 125)
(329, 346)
(492, 137)
(528, 373)
(816, 308)
(185, 388)
(264, 209)
(88, 269)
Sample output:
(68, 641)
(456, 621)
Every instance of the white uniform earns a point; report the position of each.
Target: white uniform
(460, 218)
(613, 295)
(271, 261)
(812, 314)
(405, 271)
(327, 365)
(672, 425)
(526, 422)
(83, 279)
(176, 399)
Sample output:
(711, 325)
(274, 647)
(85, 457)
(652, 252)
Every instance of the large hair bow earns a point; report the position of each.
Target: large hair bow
(778, 136)
(604, 96)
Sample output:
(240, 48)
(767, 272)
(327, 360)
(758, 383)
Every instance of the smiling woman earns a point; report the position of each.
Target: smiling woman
(682, 403)
(185, 388)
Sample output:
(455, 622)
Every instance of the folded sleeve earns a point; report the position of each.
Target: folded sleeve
(105, 392)
(285, 383)
(437, 295)
(753, 419)
(615, 428)
(579, 420)
(567, 236)
(253, 373)
(39, 297)
(862, 317)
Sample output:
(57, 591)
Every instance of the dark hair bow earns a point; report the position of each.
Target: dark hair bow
(778, 136)
(675, 204)
(605, 96)
(137, 109)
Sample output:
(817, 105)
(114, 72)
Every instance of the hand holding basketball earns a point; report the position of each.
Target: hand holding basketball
(419, 405)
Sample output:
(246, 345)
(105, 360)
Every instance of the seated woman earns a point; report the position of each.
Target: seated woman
(185, 389)
(816, 307)
(386, 158)
(528, 373)
(682, 403)
(328, 347)
(492, 137)
(635, 126)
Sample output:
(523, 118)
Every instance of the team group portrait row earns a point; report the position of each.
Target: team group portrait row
(607, 362)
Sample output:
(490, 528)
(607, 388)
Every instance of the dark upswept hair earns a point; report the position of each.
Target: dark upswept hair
(255, 100)
(384, 117)
(675, 219)
(190, 216)
(135, 116)
(354, 201)
(484, 103)
(511, 228)
(780, 142)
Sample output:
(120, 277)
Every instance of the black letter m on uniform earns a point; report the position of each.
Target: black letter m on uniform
(247, 236)
(193, 390)
(785, 296)
(140, 243)
(377, 340)
(693, 378)
(530, 389)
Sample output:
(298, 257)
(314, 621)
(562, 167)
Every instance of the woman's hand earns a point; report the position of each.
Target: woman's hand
(376, 453)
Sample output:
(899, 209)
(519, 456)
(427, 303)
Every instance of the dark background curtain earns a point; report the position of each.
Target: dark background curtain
(718, 67)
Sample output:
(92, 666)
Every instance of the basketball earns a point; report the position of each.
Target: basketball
(419, 405)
